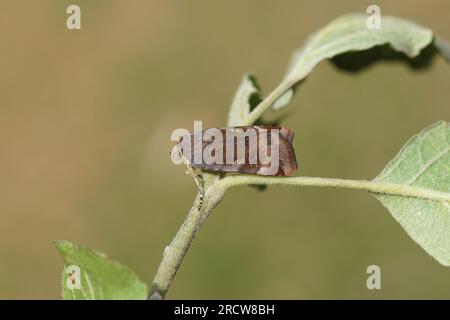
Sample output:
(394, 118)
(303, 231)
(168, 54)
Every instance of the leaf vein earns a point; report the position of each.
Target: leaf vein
(427, 165)
(91, 290)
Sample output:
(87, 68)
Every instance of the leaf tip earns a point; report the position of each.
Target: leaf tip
(63, 246)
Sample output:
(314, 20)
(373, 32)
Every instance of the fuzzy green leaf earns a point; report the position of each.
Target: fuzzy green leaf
(247, 97)
(423, 162)
(100, 278)
(349, 34)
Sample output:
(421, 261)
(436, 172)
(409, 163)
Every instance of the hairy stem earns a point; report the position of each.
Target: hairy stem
(371, 186)
(175, 252)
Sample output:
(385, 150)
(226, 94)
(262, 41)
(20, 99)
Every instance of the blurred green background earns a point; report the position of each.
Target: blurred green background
(85, 123)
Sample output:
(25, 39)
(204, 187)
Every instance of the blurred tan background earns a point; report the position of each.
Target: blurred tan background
(85, 123)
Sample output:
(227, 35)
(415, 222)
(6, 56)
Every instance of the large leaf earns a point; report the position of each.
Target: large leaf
(100, 278)
(349, 34)
(423, 162)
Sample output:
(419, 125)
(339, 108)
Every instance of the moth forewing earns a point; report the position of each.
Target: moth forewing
(261, 150)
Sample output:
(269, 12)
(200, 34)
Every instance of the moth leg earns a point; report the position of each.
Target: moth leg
(198, 178)
(196, 175)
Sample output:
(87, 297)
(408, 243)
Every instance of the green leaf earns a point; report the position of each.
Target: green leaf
(247, 97)
(349, 34)
(100, 278)
(423, 162)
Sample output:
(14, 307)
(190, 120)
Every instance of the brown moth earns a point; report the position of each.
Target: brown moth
(261, 150)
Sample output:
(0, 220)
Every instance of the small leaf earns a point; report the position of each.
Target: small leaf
(349, 34)
(247, 97)
(95, 277)
(423, 162)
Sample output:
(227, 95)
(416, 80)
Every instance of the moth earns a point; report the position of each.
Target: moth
(261, 150)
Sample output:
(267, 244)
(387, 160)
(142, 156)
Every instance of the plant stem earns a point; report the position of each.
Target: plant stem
(175, 252)
(267, 102)
(371, 186)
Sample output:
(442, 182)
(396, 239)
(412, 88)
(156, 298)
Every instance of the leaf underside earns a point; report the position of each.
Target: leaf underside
(353, 46)
(423, 162)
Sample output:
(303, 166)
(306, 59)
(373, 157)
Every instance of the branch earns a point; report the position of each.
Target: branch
(175, 252)
(371, 186)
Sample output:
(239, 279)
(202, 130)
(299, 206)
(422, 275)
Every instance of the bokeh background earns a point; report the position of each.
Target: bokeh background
(85, 123)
